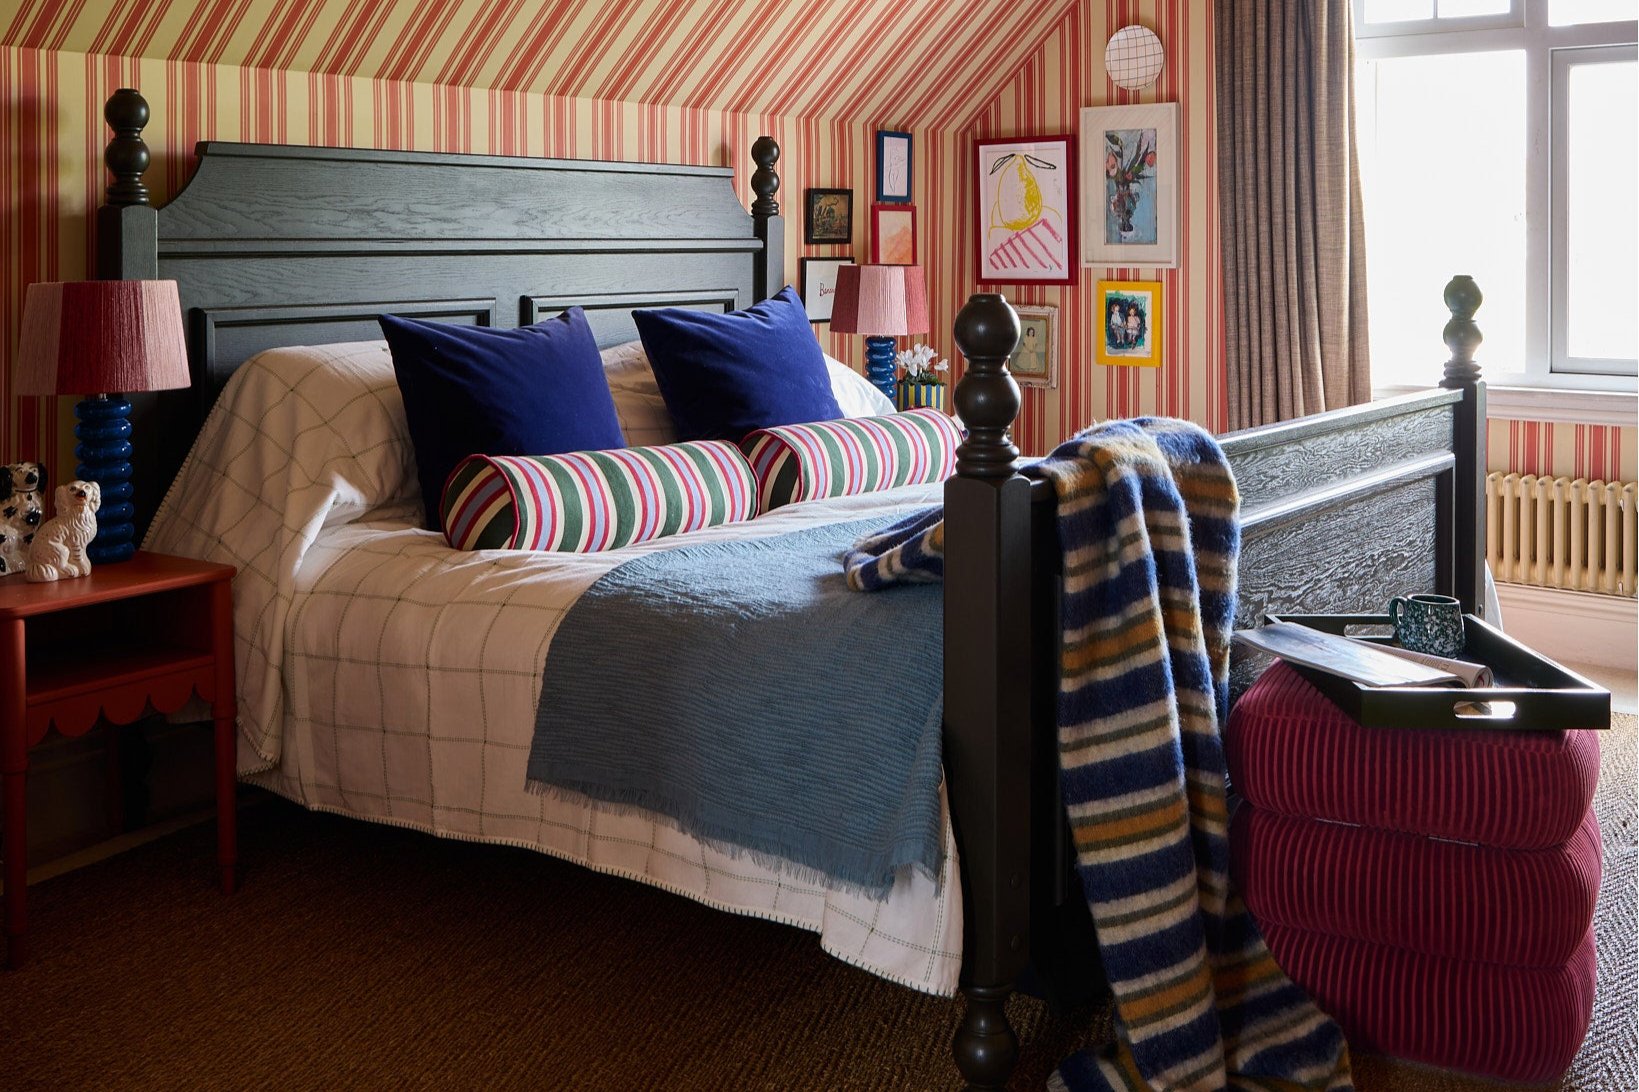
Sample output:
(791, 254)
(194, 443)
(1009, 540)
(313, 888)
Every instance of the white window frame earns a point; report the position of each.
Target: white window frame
(1561, 362)
(1547, 49)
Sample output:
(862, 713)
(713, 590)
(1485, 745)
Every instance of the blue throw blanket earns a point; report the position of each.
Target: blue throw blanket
(1148, 528)
(740, 690)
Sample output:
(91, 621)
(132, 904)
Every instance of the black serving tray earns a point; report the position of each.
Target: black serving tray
(1532, 694)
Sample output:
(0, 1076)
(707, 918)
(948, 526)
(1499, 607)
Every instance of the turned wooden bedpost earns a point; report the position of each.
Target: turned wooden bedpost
(128, 249)
(987, 690)
(768, 274)
(1462, 373)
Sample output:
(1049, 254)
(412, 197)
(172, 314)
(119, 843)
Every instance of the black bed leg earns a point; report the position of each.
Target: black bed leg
(987, 739)
(985, 1048)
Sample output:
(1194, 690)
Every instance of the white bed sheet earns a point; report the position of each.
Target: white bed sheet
(385, 676)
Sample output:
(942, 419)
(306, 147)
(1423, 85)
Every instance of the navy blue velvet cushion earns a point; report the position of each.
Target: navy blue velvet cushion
(473, 390)
(723, 376)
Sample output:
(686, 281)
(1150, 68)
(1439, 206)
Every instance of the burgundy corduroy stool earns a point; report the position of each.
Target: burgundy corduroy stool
(1432, 890)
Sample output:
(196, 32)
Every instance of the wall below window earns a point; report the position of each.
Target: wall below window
(1561, 449)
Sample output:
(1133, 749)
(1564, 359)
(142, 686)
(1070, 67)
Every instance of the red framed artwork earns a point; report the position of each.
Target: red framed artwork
(1026, 216)
(893, 234)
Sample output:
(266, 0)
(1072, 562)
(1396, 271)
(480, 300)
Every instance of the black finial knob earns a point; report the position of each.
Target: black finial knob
(127, 155)
(765, 181)
(987, 398)
(1461, 335)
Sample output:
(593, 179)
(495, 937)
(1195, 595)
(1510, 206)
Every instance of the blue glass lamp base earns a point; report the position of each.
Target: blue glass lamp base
(104, 452)
(879, 364)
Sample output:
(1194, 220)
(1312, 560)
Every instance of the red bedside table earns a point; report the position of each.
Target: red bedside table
(151, 631)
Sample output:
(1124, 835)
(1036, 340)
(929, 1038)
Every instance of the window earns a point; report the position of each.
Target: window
(1497, 138)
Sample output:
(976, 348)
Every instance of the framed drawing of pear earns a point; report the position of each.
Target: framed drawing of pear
(1027, 210)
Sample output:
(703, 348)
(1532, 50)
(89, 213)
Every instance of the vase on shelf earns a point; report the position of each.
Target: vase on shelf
(920, 395)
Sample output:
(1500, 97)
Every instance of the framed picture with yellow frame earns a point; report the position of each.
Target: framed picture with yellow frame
(1130, 316)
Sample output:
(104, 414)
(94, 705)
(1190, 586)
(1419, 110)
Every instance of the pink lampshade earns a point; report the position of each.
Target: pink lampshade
(880, 300)
(101, 337)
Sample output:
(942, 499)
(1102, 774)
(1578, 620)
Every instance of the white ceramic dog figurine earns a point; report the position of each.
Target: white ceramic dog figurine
(21, 512)
(59, 547)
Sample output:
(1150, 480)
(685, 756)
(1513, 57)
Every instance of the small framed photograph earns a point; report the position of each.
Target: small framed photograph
(828, 216)
(1130, 314)
(1035, 363)
(893, 234)
(893, 167)
(1131, 216)
(819, 285)
(1027, 210)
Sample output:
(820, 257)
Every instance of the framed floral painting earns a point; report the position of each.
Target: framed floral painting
(1130, 218)
(1027, 210)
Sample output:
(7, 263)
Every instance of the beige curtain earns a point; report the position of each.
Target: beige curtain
(1293, 243)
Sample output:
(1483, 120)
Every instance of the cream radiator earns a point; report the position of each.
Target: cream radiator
(1561, 533)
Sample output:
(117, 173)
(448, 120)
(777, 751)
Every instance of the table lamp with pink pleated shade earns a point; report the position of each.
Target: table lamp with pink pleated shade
(103, 339)
(882, 302)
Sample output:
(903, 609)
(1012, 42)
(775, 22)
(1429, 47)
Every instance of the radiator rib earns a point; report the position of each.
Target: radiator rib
(1562, 533)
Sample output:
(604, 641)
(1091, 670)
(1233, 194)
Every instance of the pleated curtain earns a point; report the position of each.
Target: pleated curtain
(1293, 240)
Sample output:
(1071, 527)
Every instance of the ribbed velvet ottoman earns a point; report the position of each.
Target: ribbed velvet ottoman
(1433, 890)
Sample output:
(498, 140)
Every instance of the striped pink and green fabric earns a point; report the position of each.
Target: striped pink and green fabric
(595, 500)
(852, 455)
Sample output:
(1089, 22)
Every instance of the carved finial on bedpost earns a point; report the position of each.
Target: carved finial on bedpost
(768, 269)
(765, 181)
(987, 398)
(127, 156)
(1461, 335)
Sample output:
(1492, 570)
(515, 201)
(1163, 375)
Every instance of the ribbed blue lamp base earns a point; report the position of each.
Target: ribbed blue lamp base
(879, 364)
(104, 451)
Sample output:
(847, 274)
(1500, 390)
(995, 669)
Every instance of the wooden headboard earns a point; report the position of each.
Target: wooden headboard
(276, 245)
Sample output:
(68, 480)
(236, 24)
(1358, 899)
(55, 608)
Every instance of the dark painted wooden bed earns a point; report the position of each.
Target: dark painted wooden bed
(277, 245)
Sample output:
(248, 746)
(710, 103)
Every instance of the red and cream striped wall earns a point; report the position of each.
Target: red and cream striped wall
(692, 81)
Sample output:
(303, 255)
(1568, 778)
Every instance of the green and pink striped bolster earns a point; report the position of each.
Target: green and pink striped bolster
(595, 500)
(852, 455)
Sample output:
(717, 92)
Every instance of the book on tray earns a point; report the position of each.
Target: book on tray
(1368, 663)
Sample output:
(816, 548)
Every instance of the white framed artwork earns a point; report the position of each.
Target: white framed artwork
(1129, 170)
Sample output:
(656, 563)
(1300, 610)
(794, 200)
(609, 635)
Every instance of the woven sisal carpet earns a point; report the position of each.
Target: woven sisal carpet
(360, 956)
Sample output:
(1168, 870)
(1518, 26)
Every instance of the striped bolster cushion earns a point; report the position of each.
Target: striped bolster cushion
(595, 500)
(852, 455)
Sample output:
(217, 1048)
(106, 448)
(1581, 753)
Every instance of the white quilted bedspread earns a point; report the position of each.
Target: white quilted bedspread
(384, 676)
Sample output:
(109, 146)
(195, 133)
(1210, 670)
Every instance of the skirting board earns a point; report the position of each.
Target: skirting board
(1572, 627)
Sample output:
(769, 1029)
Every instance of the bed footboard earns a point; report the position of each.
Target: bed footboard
(1340, 511)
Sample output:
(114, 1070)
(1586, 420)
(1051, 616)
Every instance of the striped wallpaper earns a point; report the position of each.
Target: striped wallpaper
(1602, 452)
(692, 81)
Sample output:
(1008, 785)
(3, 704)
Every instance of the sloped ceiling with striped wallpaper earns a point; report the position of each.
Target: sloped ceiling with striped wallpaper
(922, 63)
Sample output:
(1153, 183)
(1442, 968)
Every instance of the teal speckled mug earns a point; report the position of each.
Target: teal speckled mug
(1428, 623)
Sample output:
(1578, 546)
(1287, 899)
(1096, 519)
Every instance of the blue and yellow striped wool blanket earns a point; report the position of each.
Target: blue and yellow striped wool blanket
(1148, 522)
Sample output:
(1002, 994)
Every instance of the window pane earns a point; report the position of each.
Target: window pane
(1562, 12)
(1393, 11)
(1442, 199)
(1602, 286)
(1456, 9)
